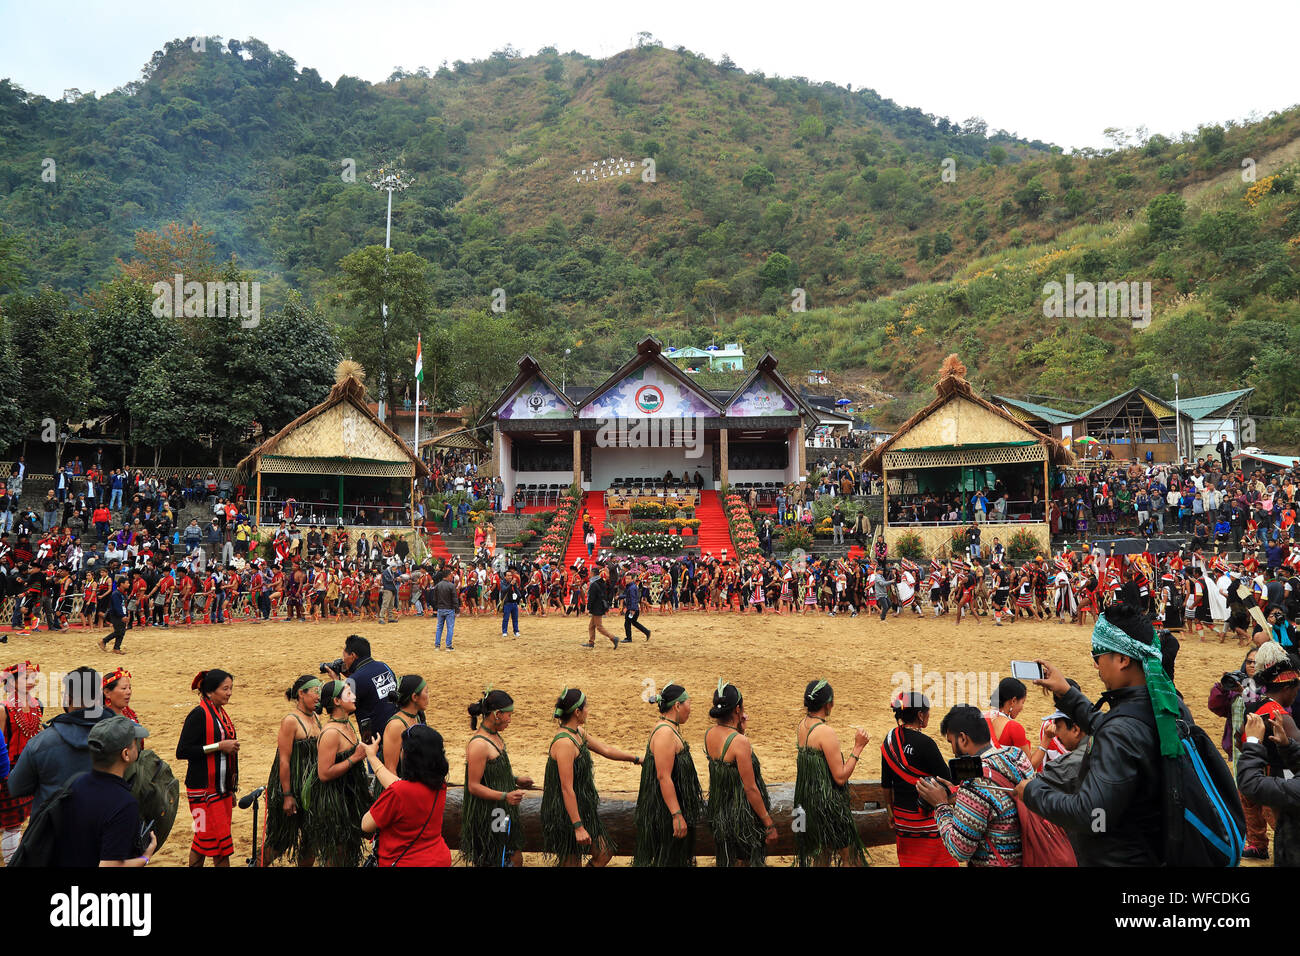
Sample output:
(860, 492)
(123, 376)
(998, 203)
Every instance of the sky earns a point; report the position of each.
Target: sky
(1061, 73)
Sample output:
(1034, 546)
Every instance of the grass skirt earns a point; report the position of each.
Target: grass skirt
(655, 845)
(737, 831)
(823, 821)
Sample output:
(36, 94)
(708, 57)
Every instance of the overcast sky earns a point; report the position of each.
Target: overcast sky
(1041, 69)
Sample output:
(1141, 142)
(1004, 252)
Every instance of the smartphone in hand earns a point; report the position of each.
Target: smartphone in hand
(1027, 670)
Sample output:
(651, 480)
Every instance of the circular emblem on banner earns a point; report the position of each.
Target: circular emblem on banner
(649, 398)
(535, 402)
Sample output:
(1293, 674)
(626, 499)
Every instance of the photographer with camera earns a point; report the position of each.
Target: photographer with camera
(1264, 744)
(1123, 783)
(976, 818)
(374, 681)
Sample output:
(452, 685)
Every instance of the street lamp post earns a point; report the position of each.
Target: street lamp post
(564, 375)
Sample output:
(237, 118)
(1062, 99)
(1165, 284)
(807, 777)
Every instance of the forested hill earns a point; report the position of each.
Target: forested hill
(654, 191)
(251, 146)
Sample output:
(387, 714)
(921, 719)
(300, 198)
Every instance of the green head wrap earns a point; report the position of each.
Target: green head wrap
(1106, 639)
(562, 711)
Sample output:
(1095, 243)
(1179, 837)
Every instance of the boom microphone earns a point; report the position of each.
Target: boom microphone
(247, 801)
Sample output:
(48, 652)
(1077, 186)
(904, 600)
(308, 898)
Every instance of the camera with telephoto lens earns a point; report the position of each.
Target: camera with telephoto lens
(1232, 679)
(335, 665)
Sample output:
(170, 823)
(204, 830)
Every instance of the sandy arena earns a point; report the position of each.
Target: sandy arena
(769, 657)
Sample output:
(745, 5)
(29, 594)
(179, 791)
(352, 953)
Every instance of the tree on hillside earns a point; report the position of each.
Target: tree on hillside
(1165, 216)
(298, 352)
(369, 279)
(127, 336)
(757, 178)
(12, 431)
(711, 294)
(1033, 196)
(777, 273)
(53, 357)
(160, 256)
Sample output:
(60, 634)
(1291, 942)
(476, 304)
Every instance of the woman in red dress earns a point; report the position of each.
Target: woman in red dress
(408, 814)
(208, 742)
(20, 721)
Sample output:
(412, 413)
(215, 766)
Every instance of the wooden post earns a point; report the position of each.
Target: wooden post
(884, 501)
(257, 508)
(577, 458)
(723, 473)
(340, 496)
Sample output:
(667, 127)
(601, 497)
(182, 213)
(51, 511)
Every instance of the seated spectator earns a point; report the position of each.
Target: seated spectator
(977, 821)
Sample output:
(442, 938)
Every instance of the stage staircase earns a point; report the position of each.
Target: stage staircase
(594, 502)
(714, 534)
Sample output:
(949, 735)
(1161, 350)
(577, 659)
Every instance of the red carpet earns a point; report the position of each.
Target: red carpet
(594, 502)
(714, 533)
(437, 547)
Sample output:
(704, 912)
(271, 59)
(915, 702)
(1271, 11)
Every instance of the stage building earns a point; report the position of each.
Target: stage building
(647, 419)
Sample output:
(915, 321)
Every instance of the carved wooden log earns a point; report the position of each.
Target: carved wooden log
(618, 813)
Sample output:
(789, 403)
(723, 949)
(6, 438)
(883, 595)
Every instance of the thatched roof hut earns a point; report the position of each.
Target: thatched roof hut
(957, 445)
(339, 437)
(970, 426)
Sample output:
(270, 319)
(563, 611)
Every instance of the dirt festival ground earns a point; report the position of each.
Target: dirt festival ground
(769, 657)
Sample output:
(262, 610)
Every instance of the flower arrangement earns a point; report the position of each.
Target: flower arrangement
(655, 543)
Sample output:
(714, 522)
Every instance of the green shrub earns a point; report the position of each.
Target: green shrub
(909, 546)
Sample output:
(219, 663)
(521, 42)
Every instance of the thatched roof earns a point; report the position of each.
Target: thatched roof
(329, 442)
(952, 384)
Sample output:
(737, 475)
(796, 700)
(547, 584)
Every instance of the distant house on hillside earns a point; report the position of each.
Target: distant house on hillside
(728, 358)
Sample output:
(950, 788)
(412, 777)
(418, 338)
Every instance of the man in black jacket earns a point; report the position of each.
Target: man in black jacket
(1117, 815)
(373, 679)
(597, 605)
(1225, 449)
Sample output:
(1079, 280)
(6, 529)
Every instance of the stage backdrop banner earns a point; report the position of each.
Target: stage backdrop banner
(648, 392)
(762, 397)
(535, 400)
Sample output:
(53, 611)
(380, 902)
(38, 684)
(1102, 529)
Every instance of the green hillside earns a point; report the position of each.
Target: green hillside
(910, 235)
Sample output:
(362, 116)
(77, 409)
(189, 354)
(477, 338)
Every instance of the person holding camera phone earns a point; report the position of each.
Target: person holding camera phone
(977, 820)
(1265, 742)
(340, 795)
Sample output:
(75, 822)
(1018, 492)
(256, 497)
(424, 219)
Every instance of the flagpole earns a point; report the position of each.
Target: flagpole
(417, 397)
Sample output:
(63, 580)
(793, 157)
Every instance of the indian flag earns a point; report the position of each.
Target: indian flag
(419, 361)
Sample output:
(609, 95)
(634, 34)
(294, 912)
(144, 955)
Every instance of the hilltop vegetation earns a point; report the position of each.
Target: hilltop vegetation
(910, 235)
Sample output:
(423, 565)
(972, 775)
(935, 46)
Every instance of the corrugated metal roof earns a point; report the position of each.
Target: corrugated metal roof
(1052, 416)
(1204, 406)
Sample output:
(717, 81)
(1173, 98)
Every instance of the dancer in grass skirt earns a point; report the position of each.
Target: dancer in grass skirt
(339, 797)
(571, 825)
(491, 785)
(740, 811)
(670, 802)
(293, 770)
(821, 796)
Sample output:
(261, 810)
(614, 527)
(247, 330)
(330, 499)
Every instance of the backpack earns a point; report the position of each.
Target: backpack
(40, 843)
(157, 790)
(1204, 822)
(1043, 843)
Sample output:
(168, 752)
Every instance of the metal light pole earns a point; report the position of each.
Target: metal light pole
(1178, 426)
(564, 375)
(391, 179)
